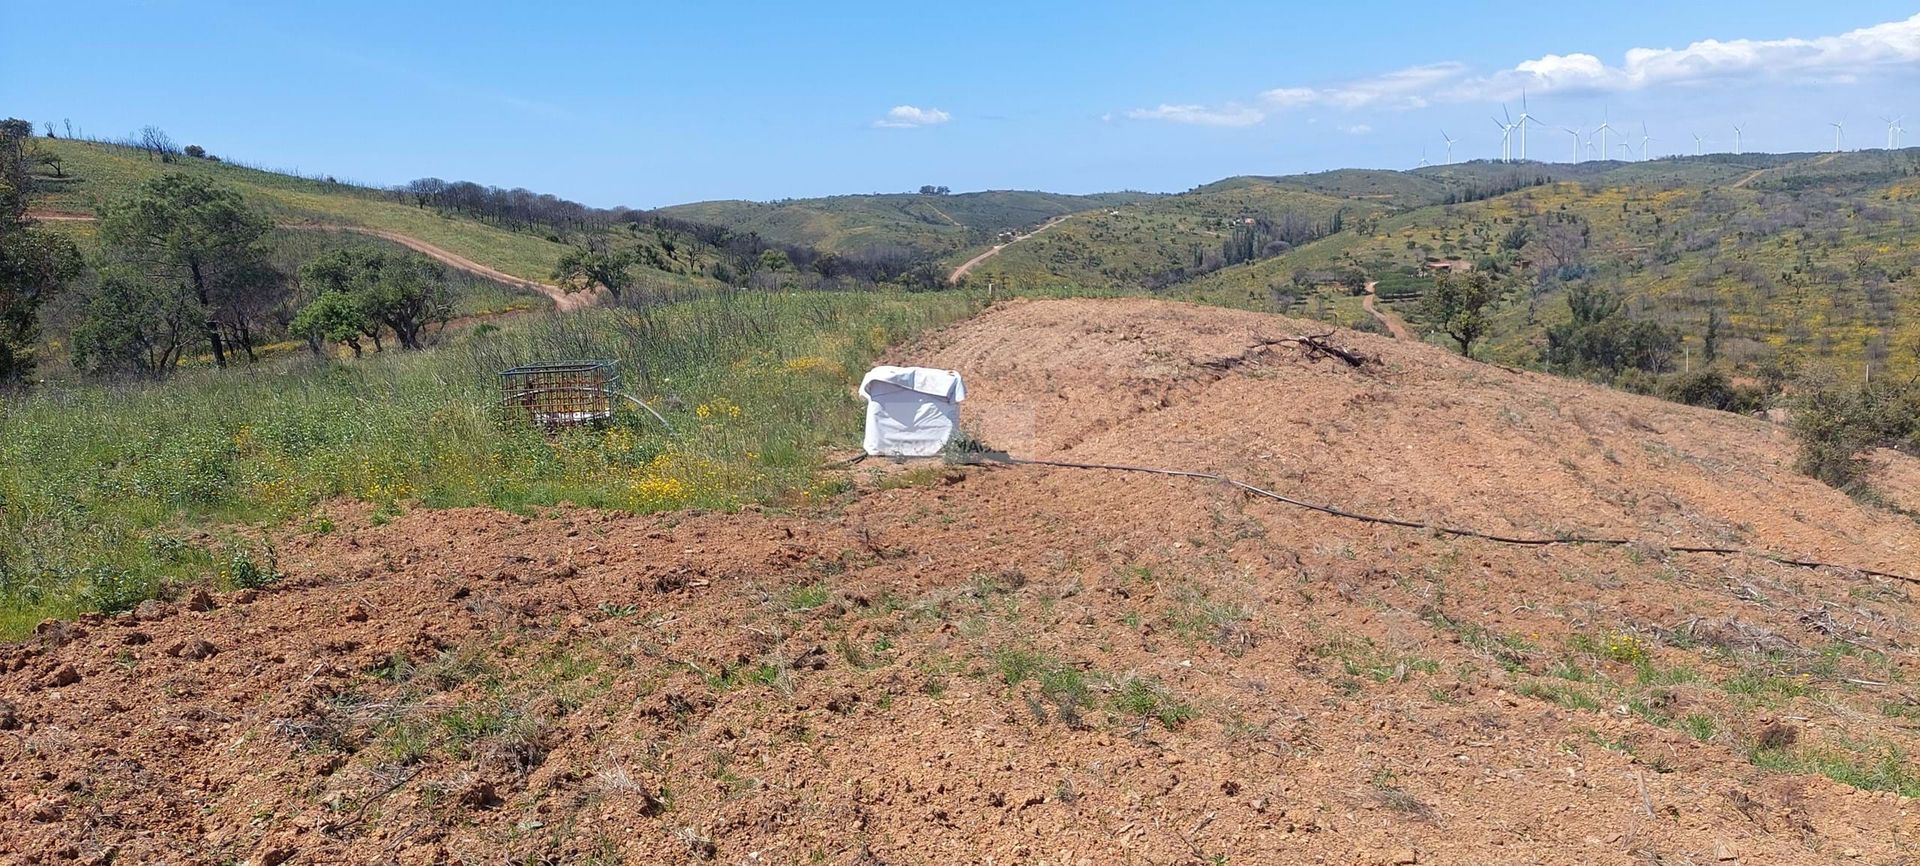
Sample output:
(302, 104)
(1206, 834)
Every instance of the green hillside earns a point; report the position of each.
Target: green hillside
(99, 173)
(1164, 240)
(668, 259)
(937, 224)
(1795, 258)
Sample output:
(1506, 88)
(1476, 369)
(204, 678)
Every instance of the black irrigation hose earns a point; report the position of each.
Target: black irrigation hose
(1532, 541)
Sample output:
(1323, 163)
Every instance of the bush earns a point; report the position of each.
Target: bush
(1710, 389)
(1837, 425)
(249, 568)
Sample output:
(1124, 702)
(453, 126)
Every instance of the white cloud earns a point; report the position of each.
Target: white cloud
(1842, 59)
(1834, 59)
(1290, 97)
(1200, 115)
(1357, 129)
(1404, 88)
(907, 117)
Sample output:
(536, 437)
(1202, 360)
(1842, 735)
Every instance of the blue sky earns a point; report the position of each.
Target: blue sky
(652, 104)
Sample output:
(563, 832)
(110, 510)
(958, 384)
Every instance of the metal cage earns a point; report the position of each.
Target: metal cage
(561, 393)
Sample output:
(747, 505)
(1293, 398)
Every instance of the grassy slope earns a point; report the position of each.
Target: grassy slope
(938, 224)
(1780, 256)
(111, 490)
(100, 173)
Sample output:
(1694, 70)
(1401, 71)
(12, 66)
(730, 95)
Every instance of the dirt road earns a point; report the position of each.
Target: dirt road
(1751, 176)
(996, 248)
(562, 299)
(1392, 322)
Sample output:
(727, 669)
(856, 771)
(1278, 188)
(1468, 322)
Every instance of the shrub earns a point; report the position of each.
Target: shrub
(1837, 425)
(245, 567)
(1710, 389)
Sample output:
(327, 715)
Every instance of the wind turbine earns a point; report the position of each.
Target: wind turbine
(1525, 118)
(1736, 138)
(1644, 138)
(1626, 151)
(1839, 132)
(1506, 135)
(1893, 132)
(1423, 157)
(1699, 144)
(1604, 128)
(1576, 143)
(1443, 134)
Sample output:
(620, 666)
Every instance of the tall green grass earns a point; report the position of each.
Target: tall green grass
(106, 493)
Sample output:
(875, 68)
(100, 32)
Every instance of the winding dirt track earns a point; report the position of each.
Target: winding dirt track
(1754, 175)
(996, 248)
(563, 300)
(1392, 322)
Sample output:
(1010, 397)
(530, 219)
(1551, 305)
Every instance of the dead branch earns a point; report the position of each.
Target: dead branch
(1317, 346)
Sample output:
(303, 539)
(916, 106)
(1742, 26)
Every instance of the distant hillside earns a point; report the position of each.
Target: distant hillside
(1165, 240)
(1791, 258)
(936, 224)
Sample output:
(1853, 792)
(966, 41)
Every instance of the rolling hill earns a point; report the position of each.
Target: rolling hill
(1160, 241)
(96, 173)
(1791, 257)
(1797, 257)
(925, 224)
(669, 259)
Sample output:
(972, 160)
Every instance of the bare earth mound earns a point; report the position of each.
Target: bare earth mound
(1027, 665)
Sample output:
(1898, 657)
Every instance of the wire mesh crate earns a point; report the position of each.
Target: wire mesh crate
(561, 393)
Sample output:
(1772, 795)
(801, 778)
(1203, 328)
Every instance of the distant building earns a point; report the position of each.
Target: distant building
(1452, 266)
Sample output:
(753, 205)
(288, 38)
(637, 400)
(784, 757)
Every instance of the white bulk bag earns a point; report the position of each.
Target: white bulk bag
(911, 411)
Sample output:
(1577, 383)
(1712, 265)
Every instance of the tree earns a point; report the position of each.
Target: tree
(196, 151)
(252, 298)
(361, 290)
(347, 272)
(334, 317)
(1601, 338)
(408, 294)
(185, 229)
(133, 325)
(158, 144)
(582, 268)
(1459, 307)
(34, 265)
(53, 161)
